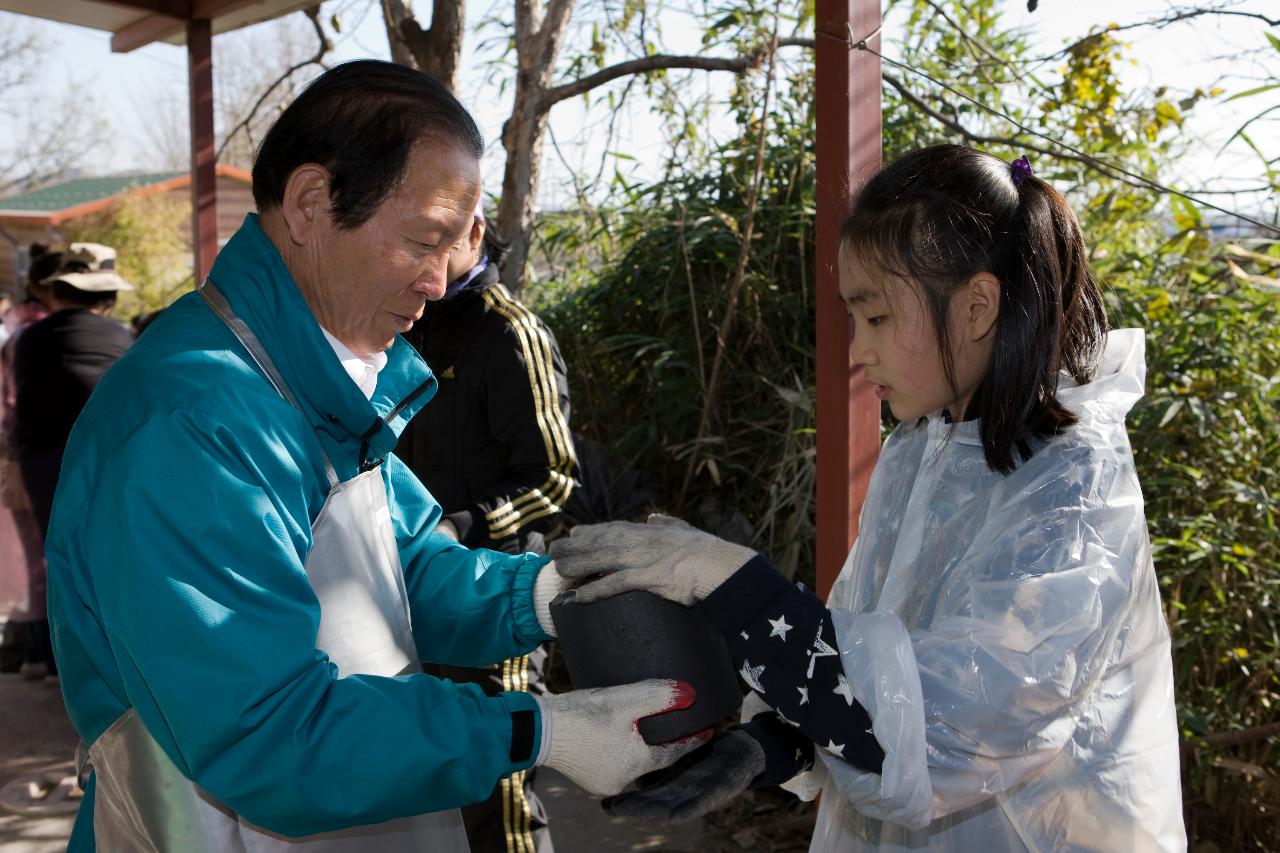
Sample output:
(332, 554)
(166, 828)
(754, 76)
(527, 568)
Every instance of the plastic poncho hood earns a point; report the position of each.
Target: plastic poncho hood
(1006, 635)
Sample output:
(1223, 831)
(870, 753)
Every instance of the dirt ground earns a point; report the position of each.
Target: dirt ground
(37, 738)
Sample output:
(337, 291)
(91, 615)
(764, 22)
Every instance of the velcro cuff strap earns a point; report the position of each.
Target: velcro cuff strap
(522, 728)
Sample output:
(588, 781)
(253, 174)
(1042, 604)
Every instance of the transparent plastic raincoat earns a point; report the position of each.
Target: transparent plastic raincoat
(1006, 636)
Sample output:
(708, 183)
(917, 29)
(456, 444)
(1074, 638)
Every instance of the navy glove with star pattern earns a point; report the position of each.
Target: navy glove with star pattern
(781, 637)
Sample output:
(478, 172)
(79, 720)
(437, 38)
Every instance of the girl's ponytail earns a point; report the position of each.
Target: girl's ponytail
(1052, 319)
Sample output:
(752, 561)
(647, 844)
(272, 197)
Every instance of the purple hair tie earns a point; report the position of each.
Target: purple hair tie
(1020, 170)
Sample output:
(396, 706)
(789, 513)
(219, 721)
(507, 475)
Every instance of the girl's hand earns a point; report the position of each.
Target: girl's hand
(756, 754)
(665, 556)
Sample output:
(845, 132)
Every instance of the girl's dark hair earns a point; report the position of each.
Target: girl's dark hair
(493, 246)
(941, 215)
(360, 120)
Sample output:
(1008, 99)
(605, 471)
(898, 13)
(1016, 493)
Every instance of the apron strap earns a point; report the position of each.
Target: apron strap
(84, 765)
(222, 308)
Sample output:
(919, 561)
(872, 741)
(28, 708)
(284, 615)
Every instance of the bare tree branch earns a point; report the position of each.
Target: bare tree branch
(738, 64)
(1158, 24)
(973, 136)
(1234, 738)
(313, 13)
(1188, 14)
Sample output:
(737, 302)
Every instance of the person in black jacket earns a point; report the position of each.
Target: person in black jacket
(57, 362)
(493, 447)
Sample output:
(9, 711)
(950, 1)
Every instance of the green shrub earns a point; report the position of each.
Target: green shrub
(1207, 443)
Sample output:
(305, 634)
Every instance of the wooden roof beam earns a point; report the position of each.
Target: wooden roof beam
(162, 24)
(144, 31)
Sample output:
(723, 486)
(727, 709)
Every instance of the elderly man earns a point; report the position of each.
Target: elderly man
(243, 578)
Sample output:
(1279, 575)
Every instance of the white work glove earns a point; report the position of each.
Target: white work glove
(547, 586)
(591, 735)
(665, 556)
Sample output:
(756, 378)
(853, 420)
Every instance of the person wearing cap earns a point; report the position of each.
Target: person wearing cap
(244, 578)
(59, 360)
(57, 363)
(494, 449)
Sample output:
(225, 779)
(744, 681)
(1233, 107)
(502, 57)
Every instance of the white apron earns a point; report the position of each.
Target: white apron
(144, 803)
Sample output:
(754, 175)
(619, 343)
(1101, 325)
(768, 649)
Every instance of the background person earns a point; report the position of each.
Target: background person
(494, 449)
(57, 362)
(23, 648)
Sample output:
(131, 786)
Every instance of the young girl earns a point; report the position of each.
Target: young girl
(992, 669)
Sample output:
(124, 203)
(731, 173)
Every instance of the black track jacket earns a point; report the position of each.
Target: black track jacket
(493, 446)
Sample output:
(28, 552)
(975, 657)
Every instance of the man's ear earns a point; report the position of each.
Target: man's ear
(306, 201)
(981, 305)
(476, 238)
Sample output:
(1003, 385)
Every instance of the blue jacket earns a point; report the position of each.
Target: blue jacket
(176, 583)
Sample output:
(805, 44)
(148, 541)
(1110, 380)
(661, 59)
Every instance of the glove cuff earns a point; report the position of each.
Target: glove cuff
(723, 560)
(542, 749)
(547, 586)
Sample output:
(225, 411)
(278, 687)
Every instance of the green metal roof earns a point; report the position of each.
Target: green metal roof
(61, 196)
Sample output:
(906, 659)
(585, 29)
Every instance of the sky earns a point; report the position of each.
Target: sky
(144, 89)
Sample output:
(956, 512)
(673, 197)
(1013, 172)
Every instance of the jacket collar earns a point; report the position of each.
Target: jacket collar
(472, 287)
(251, 274)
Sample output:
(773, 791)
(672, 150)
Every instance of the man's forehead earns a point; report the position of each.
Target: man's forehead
(445, 208)
(441, 212)
(442, 182)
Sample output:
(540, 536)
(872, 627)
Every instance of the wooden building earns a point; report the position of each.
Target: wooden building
(42, 214)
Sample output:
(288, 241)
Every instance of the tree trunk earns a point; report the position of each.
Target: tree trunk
(540, 34)
(522, 138)
(435, 50)
(393, 13)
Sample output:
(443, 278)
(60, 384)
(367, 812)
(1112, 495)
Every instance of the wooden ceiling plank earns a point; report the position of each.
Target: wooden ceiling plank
(180, 9)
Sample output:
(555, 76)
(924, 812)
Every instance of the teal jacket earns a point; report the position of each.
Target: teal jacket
(176, 586)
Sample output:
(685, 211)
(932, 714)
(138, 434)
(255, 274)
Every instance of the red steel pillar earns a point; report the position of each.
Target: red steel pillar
(204, 213)
(848, 149)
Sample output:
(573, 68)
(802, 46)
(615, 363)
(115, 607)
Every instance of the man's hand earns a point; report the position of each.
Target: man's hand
(591, 736)
(666, 557)
(446, 528)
